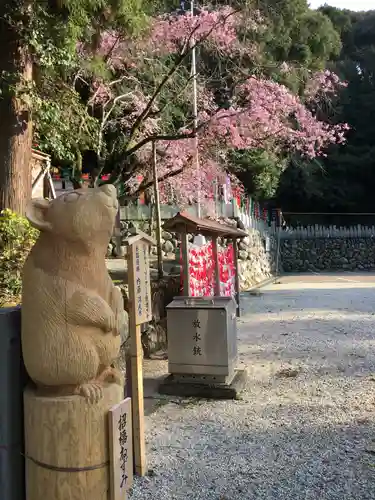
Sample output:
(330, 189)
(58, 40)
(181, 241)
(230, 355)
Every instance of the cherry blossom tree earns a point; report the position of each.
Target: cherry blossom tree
(131, 109)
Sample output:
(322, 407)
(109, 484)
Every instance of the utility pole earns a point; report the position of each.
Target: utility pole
(195, 109)
(198, 239)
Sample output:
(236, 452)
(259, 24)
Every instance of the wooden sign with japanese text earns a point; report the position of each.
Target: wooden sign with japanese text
(141, 282)
(140, 311)
(120, 449)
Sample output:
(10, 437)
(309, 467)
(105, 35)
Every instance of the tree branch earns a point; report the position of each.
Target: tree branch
(186, 50)
(162, 178)
(161, 137)
(183, 54)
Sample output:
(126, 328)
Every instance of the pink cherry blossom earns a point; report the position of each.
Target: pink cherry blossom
(262, 113)
(323, 82)
(266, 113)
(171, 33)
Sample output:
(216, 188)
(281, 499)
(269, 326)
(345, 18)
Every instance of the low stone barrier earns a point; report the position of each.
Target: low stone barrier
(327, 254)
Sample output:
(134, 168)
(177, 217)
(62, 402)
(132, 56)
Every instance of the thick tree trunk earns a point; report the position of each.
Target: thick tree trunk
(15, 124)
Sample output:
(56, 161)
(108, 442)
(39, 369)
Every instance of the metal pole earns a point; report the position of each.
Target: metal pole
(216, 197)
(195, 113)
(157, 211)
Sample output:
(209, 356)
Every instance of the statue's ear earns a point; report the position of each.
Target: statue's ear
(36, 214)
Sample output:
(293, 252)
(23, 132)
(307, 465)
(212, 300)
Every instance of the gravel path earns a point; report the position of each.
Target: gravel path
(305, 427)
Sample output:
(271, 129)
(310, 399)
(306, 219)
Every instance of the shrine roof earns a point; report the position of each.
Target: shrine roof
(183, 221)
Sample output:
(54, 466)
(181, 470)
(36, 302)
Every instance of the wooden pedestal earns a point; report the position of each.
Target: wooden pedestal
(66, 446)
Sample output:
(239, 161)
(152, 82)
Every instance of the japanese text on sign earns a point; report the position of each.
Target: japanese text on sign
(121, 449)
(123, 439)
(142, 289)
(147, 279)
(197, 350)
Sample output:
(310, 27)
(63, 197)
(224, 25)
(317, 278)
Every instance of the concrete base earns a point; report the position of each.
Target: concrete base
(173, 387)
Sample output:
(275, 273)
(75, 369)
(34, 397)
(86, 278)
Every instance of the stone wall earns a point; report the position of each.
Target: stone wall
(170, 241)
(257, 259)
(327, 254)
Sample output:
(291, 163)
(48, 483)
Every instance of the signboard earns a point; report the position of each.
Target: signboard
(142, 286)
(140, 311)
(120, 449)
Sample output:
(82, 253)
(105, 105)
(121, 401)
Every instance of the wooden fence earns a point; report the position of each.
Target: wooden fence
(139, 212)
(256, 220)
(252, 221)
(319, 231)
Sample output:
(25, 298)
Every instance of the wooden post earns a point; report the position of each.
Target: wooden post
(215, 255)
(157, 210)
(117, 231)
(185, 262)
(140, 465)
(136, 359)
(46, 187)
(51, 184)
(278, 227)
(67, 446)
(140, 311)
(128, 369)
(236, 277)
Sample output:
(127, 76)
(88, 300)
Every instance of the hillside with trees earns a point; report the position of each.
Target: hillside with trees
(344, 180)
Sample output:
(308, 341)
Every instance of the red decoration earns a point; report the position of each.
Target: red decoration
(202, 271)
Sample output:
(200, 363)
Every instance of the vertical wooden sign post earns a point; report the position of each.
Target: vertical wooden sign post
(140, 311)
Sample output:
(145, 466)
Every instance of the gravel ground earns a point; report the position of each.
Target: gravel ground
(304, 428)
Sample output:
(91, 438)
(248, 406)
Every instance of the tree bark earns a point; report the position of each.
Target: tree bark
(15, 122)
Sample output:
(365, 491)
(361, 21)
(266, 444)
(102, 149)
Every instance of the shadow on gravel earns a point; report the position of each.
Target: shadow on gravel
(353, 299)
(322, 345)
(297, 460)
(307, 433)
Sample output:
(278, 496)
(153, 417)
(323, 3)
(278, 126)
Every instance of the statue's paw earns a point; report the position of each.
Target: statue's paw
(112, 375)
(117, 377)
(92, 392)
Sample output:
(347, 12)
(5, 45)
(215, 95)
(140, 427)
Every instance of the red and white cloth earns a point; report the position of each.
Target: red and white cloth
(202, 271)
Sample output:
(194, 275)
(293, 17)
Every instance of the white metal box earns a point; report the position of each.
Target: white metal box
(202, 338)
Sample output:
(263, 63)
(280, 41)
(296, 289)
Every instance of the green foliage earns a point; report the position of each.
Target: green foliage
(316, 39)
(298, 34)
(302, 38)
(51, 32)
(16, 239)
(258, 170)
(64, 114)
(344, 181)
